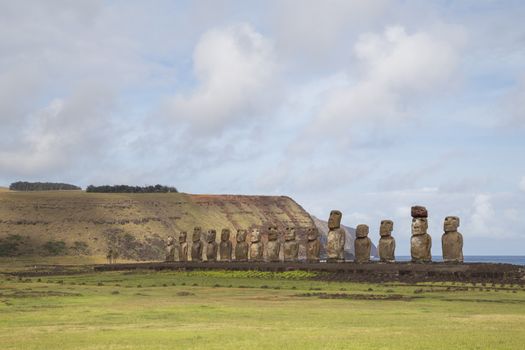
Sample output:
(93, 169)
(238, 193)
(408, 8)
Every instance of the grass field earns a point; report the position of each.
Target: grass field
(253, 310)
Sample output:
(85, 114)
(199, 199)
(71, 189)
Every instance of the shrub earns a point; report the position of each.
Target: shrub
(55, 247)
(41, 186)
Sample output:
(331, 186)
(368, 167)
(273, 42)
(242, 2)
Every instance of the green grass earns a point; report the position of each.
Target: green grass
(251, 310)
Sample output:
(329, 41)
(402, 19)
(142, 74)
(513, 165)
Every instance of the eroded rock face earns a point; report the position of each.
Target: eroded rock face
(336, 238)
(183, 246)
(452, 241)
(170, 249)
(418, 211)
(273, 246)
(196, 247)
(225, 247)
(256, 246)
(291, 246)
(362, 244)
(241, 249)
(313, 245)
(387, 243)
(211, 245)
(421, 242)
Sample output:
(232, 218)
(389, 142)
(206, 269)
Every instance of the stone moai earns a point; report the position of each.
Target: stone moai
(291, 246)
(313, 245)
(387, 243)
(362, 244)
(241, 249)
(273, 246)
(211, 245)
(183, 246)
(335, 247)
(225, 247)
(421, 242)
(196, 247)
(452, 241)
(170, 249)
(256, 246)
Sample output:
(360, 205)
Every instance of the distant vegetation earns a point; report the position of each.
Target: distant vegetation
(41, 186)
(130, 189)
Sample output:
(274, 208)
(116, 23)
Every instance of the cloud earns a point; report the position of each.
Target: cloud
(236, 70)
(522, 184)
(395, 70)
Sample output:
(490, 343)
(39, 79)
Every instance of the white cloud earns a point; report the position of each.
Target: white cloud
(522, 184)
(235, 68)
(483, 216)
(396, 69)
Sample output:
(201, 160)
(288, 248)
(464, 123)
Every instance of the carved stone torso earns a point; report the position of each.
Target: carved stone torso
(211, 251)
(273, 249)
(386, 248)
(362, 249)
(170, 252)
(291, 250)
(196, 251)
(241, 251)
(336, 244)
(420, 248)
(452, 245)
(225, 250)
(183, 251)
(256, 251)
(313, 249)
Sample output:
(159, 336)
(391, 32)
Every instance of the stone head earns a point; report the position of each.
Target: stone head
(255, 236)
(312, 234)
(211, 236)
(386, 228)
(451, 224)
(289, 234)
(419, 226)
(225, 235)
(334, 221)
(241, 236)
(169, 240)
(273, 233)
(361, 231)
(182, 237)
(197, 232)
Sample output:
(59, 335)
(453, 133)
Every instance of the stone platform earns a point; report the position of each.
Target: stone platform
(348, 271)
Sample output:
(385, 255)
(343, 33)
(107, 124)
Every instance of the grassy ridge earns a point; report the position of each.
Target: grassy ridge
(101, 219)
(253, 310)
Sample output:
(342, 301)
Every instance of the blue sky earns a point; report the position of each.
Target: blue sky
(367, 107)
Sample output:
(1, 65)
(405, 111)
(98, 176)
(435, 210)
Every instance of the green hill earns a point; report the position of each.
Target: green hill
(135, 225)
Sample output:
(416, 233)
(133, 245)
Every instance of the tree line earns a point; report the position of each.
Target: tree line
(41, 186)
(130, 189)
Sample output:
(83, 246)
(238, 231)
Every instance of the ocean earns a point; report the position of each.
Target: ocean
(502, 259)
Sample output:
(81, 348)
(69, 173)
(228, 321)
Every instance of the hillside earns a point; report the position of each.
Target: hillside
(135, 225)
(349, 242)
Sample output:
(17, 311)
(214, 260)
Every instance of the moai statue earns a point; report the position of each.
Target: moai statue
(313, 245)
(196, 247)
(335, 246)
(211, 246)
(291, 246)
(256, 246)
(452, 241)
(241, 249)
(183, 246)
(170, 249)
(362, 244)
(387, 243)
(273, 247)
(421, 242)
(225, 247)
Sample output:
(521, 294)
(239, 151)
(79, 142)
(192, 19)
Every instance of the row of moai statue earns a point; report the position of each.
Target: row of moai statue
(244, 251)
(420, 243)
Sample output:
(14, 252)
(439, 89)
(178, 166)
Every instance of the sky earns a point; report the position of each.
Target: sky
(368, 107)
